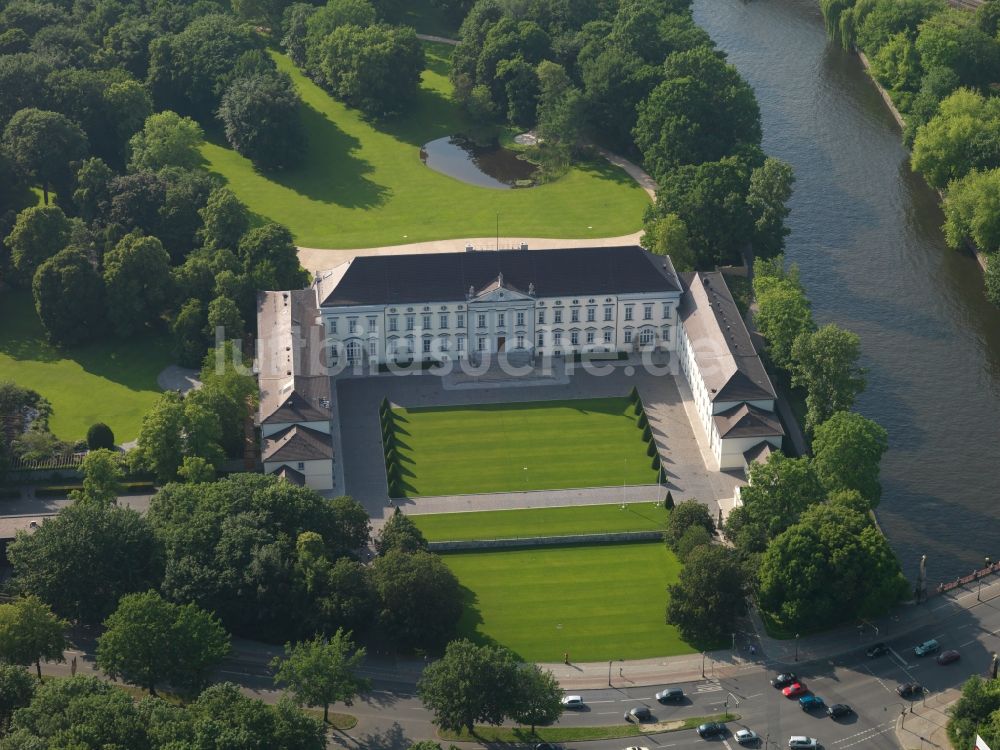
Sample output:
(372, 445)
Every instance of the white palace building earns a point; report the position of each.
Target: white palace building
(377, 311)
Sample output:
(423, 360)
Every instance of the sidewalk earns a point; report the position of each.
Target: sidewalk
(922, 727)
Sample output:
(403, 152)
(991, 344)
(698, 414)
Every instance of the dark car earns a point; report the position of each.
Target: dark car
(712, 729)
(784, 680)
(547, 746)
(640, 713)
(879, 649)
(811, 702)
(839, 710)
(949, 656)
(670, 695)
(910, 690)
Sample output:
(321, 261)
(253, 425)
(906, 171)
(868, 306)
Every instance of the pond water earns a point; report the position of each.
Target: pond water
(486, 166)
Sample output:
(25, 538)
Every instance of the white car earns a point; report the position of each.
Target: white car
(636, 747)
(798, 741)
(747, 737)
(572, 701)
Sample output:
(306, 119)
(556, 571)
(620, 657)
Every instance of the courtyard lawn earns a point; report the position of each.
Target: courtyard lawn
(109, 381)
(540, 445)
(576, 519)
(593, 602)
(363, 184)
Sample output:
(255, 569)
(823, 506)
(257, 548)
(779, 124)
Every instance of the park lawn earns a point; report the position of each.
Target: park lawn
(363, 184)
(563, 521)
(593, 602)
(535, 445)
(108, 381)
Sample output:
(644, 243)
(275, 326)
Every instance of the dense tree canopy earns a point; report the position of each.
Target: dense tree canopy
(166, 140)
(29, 633)
(710, 594)
(322, 671)
(825, 363)
(260, 115)
(38, 234)
(44, 144)
(848, 449)
(964, 135)
(137, 280)
(69, 297)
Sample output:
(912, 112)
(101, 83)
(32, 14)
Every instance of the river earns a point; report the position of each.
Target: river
(865, 232)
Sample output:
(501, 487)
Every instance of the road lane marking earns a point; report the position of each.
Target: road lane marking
(877, 678)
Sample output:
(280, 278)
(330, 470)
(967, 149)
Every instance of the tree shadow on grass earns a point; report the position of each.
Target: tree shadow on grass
(604, 170)
(429, 116)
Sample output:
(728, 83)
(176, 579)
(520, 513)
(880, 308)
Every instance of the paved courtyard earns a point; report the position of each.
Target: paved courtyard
(683, 446)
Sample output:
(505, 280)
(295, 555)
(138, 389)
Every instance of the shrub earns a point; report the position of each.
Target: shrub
(643, 421)
(684, 516)
(650, 447)
(100, 436)
(694, 537)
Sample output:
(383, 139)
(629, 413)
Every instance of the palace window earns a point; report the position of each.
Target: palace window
(352, 325)
(628, 337)
(410, 322)
(353, 352)
(393, 323)
(481, 321)
(426, 322)
(607, 337)
(541, 316)
(460, 343)
(609, 312)
(574, 315)
(647, 312)
(558, 339)
(666, 333)
(590, 337)
(445, 345)
(460, 320)
(443, 322)
(541, 340)
(372, 325)
(333, 325)
(646, 337)
(591, 314)
(501, 320)
(574, 338)
(482, 344)
(628, 313)
(427, 346)
(666, 310)
(392, 347)
(558, 314)
(520, 319)
(373, 348)
(520, 341)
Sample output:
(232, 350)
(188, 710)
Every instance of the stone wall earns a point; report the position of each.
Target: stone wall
(546, 541)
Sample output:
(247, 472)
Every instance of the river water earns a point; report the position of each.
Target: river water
(866, 236)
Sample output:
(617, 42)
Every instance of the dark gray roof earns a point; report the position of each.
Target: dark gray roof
(759, 453)
(297, 443)
(723, 350)
(744, 420)
(289, 474)
(435, 277)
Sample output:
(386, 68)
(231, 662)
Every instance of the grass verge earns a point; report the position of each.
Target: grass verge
(507, 524)
(539, 445)
(591, 602)
(341, 722)
(577, 734)
(363, 184)
(109, 381)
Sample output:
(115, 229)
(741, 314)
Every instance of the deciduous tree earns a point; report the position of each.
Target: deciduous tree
(166, 140)
(137, 280)
(322, 671)
(44, 144)
(102, 477)
(847, 450)
(400, 533)
(38, 234)
(69, 297)
(419, 598)
(709, 596)
(30, 632)
(260, 116)
(825, 363)
(685, 515)
(767, 200)
(16, 689)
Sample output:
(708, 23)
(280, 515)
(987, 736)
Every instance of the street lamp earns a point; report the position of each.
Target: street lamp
(609, 672)
(796, 647)
(702, 663)
(979, 593)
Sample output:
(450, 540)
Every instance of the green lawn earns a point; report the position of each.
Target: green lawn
(576, 519)
(364, 185)
(109, 381)
(593, 602)
(541, 445)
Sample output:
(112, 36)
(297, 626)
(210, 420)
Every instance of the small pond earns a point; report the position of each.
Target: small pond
(487, 166)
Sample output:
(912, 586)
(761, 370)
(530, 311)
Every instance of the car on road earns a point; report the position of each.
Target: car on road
(784, 680)
(640, 713)
(878, 649)
(927, 647)
(949, 656)
(547, 746)
(712, 729)
(572, 701)
(636, 747)
(794, 690)
(670, 695)
(811, 702)
(747, 737)
(839, 710)
(910, 690)
(799, 741)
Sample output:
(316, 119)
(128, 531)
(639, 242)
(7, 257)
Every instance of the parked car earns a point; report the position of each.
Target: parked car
(794, 690)
(547, 746)
(784, 680)
(839, 710)
(640, 713)
(712, 729)
(879, 649)
(949, 656)
(910, 690)
(747, 737)
(927, 647)
(636, 747)
(798, 741)
(670, 695)
(572, 701)
(811, 702)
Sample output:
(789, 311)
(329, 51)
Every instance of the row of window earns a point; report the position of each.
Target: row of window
(410, 321)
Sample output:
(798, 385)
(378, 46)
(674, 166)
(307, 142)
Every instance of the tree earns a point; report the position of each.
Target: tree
(615, 81)
(783, 314)
(993, 278)
(685, 515)
(897, 65)
(951, 39)
(225, 220)
(963, 135)
(99, 435)
(224, 318)
(229, 391)
(972, 210)
(560, 106)
(832, 566)
(188, 329)
(16, 689)
(470, 684)
(322, 671)
(848, 449)
(538, 697)
(30, 632)
(43, 144)
(419, 598)
(668, 235)
(260, 116)
(400, 533)
(38, 234)
(708, 597)
(149, 641)
(196, 470)
(69, 297)
(825, 363)
(973, 713)
(694, 537)
(84, 559)
(137, 279)
(102, 478)
(270, 260)
(767, 199)
(776, 495)
(166, 139)
(160, 444)
(376, 68)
